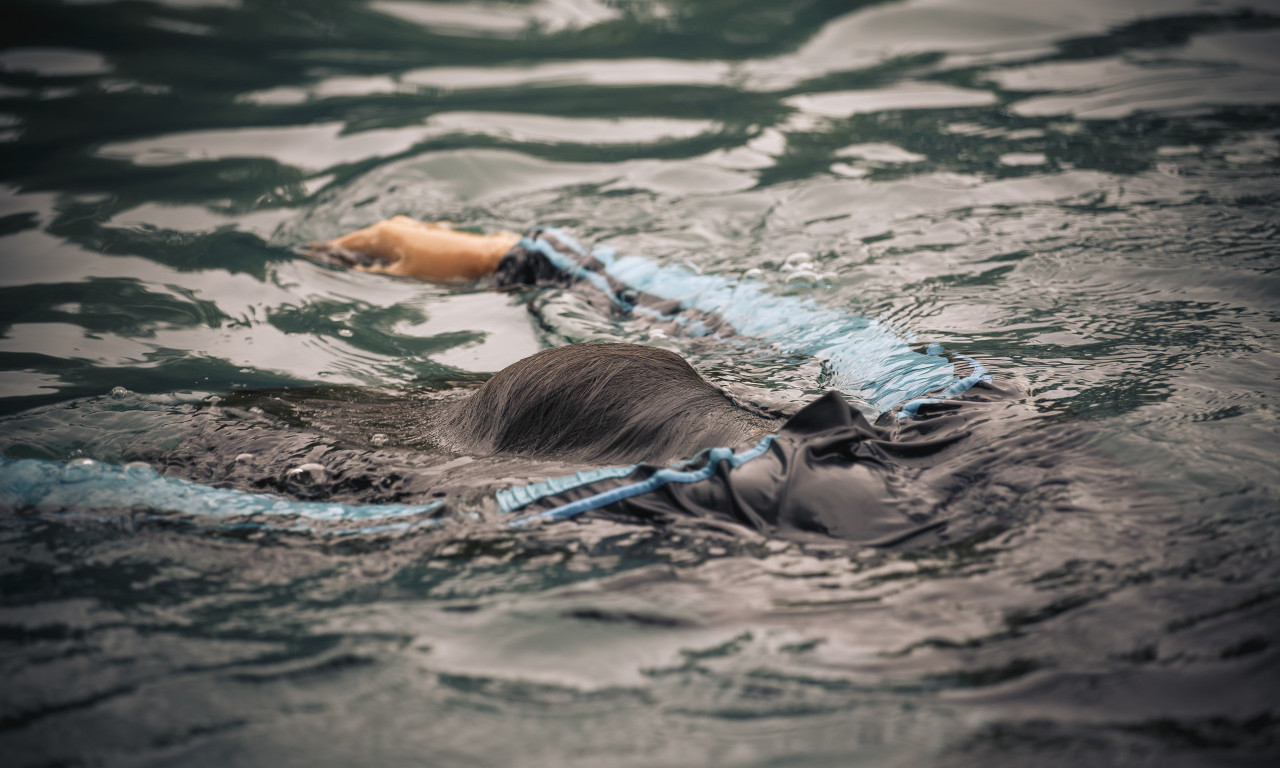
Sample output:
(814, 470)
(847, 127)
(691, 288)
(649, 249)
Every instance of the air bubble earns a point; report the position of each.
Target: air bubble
(119, 393)
(306, 478)
(798, 261)
(378, 439)
(804, 277)
(138, 470)
(79, 470)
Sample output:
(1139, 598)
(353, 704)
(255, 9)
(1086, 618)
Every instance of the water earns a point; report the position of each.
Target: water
(1081, 196)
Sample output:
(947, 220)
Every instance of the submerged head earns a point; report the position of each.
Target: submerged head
(603, 403)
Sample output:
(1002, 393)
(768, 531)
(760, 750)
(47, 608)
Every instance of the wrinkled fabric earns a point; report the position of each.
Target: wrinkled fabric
(828, 473)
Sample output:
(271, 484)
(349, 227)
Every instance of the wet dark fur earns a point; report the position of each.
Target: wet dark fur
(602, 403)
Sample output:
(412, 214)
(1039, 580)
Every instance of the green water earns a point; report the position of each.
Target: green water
(1082, 196)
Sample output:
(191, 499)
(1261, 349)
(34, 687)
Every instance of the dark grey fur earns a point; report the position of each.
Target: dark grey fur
(601, 403)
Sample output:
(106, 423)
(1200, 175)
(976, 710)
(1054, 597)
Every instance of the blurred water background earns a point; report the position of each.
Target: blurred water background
(1080, 195)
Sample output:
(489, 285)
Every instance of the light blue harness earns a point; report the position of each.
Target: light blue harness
(866, 360)
(511, 499)
(88, 484)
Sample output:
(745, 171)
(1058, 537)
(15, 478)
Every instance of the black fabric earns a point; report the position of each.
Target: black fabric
(523, 266)
(827, 474)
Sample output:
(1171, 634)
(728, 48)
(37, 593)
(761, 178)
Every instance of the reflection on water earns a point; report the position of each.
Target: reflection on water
(1079, 195)
(498, 18)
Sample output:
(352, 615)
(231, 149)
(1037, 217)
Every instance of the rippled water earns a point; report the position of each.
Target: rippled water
(1082, 196)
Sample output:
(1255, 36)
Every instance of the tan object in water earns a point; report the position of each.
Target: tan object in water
(433, 251)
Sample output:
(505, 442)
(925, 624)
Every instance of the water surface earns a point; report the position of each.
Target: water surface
(1081, 196)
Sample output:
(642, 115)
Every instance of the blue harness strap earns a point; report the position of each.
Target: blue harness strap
(511, 499)
(957, 387)
(713, 456)
(865, 359)
(88, 484)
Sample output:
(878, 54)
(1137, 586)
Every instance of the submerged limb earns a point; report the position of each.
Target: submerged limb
(407, 247)
(861, 357)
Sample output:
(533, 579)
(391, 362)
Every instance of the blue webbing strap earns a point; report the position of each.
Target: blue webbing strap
(958, 387)
(865, 358)
(511, 499)
(796, 325)
(655, 481)
(91, 484)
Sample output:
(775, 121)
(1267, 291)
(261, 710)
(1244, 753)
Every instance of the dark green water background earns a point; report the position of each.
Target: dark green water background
(1081, 195)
